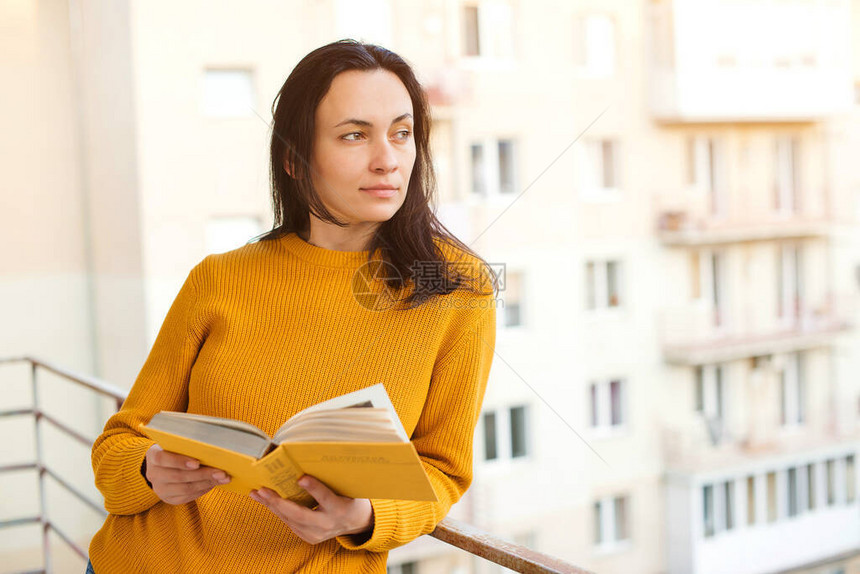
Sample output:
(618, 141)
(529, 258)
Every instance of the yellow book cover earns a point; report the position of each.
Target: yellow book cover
(354, 444)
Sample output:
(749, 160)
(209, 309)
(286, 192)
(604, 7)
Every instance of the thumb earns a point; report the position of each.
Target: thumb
(321, 493)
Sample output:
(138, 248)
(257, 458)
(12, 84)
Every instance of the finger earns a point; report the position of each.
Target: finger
(321, 493)
(287, 510)
(173, 476)
(168, 459)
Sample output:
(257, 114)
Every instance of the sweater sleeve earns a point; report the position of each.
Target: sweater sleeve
(443, 438)
(162, 384)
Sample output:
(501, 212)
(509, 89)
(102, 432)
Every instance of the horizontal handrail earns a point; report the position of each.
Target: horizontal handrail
(458, 534)
(92, 383)
(510, 555)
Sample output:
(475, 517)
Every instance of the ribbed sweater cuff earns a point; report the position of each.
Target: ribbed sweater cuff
(130, 493)
(385, 513)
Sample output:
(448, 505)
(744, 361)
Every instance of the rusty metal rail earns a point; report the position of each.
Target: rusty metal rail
(463, 536)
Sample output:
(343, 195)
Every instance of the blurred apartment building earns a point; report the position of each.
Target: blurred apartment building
(672, 186)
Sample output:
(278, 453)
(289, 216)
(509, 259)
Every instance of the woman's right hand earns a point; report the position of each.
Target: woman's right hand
(178, 479)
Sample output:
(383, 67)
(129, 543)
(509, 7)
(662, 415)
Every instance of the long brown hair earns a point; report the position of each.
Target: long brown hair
(410, 239)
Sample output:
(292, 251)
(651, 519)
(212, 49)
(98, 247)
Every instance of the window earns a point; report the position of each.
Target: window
(608, 404)
(594, 44)
(708, 509)
(611, 520)
(598, 523)
(228, 93)
(729, 502)
(493, 167)
(792, 390)
(705, 170)
(518, 431)
(786, 175)
(506, 167)
(603, 284)
(471, 31)
(227, 233)
(751, 498)
(850, 485)
(479, 170)
(830, 481)
(710, 286)
(709, 398)
(810, 485)
(792, 492)
(718, 512)
(600, 167)
(488, 29)
(789, 282)
(490, 452)
(717, 282)
(513, 421)
(403, 568)
(512, 310)
(771, 496)
(695, 275)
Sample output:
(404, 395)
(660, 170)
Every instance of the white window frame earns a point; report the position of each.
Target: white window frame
(608, 543)
(603, 395)
(589, 158)
(709, 297)
(787, 175)
(598, 38)
(793, 390)
(601, 285)
(720, 506)
(708, 172)
(483, 425)
(495, 34)
(502, 310)
(790, 281)
(714, 389)
(491, 172)
(504, 438)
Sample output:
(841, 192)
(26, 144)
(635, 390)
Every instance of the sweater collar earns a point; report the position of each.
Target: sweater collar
(322, 256)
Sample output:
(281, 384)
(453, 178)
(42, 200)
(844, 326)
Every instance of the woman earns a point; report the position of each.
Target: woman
(357, 283)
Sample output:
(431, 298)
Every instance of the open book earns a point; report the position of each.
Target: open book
(353, 443)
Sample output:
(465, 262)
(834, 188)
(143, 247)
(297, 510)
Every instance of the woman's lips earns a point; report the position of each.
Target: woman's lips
(380, 191)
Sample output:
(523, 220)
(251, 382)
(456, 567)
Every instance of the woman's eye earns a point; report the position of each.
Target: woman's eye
(352, 136)
(403, 134)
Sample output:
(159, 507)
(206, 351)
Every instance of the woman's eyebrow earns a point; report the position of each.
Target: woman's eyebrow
(367, 124)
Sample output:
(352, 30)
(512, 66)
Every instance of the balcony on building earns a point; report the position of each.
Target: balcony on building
(764, 513)
(691, 334)
(684, 229)
(743, 62)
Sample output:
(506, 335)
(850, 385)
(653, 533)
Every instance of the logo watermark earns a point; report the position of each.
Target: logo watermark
(373, 284)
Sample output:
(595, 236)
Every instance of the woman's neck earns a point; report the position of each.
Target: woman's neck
(330, 236)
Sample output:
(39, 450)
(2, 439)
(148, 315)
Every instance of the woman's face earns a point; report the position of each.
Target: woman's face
(364, 149)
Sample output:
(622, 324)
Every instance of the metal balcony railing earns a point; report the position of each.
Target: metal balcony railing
(463, 536)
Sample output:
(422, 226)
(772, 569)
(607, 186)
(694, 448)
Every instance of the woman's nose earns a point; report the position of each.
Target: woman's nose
(384, 158)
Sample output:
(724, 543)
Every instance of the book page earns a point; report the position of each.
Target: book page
(224, 436)
(229, 423)
(376, 396)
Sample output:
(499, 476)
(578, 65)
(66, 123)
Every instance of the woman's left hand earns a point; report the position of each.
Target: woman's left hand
(335, 515)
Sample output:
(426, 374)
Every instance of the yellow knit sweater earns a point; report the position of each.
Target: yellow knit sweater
(258, 334)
